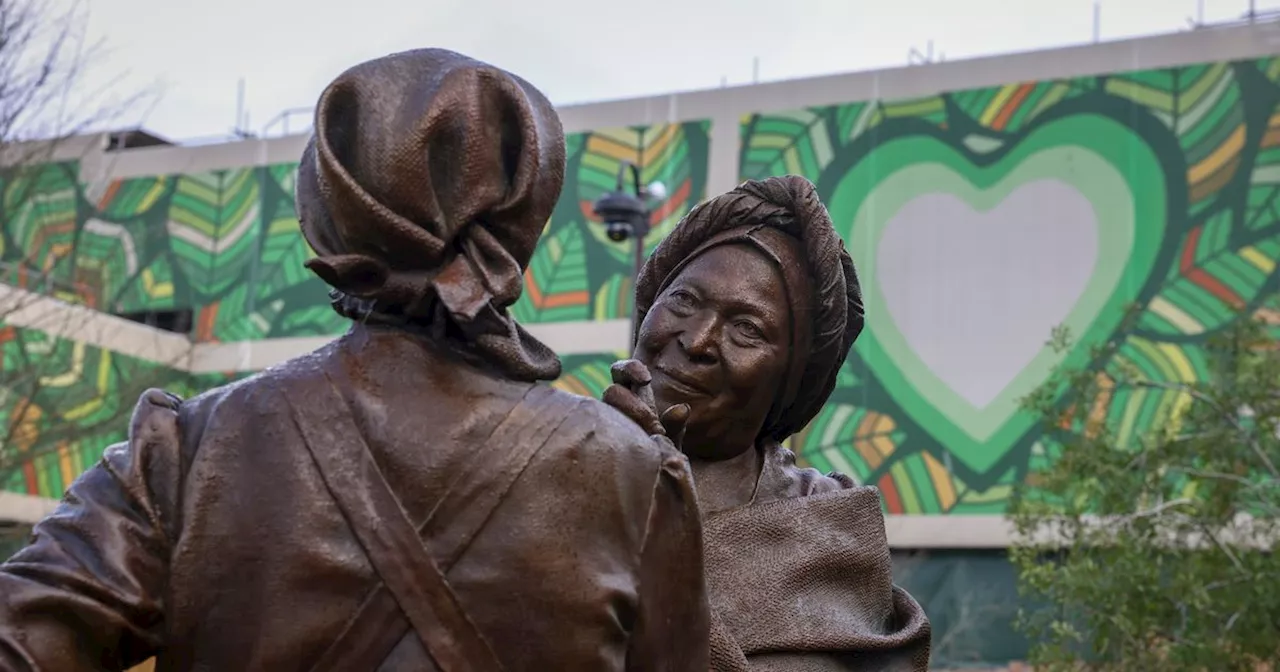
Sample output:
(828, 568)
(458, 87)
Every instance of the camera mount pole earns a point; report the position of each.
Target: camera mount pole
(627, 217)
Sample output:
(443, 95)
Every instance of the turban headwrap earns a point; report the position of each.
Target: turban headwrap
(783, 218)
(424, 190)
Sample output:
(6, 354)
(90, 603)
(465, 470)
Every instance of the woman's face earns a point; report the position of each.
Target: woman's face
(717, 339)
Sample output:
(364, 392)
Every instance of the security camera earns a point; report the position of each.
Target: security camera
(617, 231)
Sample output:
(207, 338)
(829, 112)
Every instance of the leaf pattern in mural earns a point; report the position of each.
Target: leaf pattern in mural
(214, 228)
(1213, 130)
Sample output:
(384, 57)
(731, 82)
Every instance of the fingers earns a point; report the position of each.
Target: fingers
(634, 375)
(630, 373)
(630, 405)
(673, 422)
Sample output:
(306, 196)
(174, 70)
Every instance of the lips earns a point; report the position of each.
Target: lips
(681, 384)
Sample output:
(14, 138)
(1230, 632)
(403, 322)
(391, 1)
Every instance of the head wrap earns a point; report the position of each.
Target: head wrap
(756, 213)
(424, 191)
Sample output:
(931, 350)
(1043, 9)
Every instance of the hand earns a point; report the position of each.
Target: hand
(630, 393)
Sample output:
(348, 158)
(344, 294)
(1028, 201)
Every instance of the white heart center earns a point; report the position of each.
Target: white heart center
(976, 294)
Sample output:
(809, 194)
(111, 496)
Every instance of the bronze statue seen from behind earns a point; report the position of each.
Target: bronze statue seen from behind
(748, 310)
(408, 497)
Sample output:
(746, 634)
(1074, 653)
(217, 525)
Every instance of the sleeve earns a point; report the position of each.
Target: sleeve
(673, 625)
(87, 592)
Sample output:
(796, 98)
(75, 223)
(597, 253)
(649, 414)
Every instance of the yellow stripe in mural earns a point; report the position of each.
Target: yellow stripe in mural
(103, 386)
(1224, 153)
(993, 108)
(611, 149)
(65, 468)
(1258, 259)
(942, 483)
(153, 289)
(659, 145)
(71, 376)
(1178, 359)
(152, 195)
(610, 144)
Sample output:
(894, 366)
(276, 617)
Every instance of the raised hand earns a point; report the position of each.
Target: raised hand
(630, 394)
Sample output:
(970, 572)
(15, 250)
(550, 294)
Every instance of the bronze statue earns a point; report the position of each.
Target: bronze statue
(407, 497)
(746, 313)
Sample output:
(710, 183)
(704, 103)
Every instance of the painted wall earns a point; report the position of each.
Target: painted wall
(225, 243)
(979, 218)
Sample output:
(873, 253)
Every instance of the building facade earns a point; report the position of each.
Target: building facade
(985, 202)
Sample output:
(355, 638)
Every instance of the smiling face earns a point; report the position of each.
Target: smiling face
(717, 339)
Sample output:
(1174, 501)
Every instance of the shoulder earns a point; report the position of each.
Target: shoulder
(602, 441)
(259, 396)
(609, 427)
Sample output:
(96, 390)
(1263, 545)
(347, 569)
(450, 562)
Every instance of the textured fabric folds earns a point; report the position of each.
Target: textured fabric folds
(424, 191)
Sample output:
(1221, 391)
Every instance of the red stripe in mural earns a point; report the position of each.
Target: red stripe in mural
(890, 492)
(1010, 107)
(676, 201)
(29, 475)
(1202, 279)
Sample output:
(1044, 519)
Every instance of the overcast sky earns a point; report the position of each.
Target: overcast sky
(192, 54)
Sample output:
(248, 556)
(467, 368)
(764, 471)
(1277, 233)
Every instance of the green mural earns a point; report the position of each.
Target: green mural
(225, 244)
(63, 401)
(980, 219)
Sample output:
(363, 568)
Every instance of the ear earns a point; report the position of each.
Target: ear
(353, 274)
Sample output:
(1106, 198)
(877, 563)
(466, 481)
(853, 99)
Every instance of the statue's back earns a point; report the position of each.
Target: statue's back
(550, 575)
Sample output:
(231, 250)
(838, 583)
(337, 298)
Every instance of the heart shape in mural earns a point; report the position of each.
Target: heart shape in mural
(970, 260)
(940, 315)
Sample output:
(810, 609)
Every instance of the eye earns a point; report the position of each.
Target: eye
(749, 330)
(681, 301)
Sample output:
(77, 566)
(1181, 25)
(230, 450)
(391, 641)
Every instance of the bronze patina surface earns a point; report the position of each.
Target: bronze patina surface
(409, 497)
(748, 310)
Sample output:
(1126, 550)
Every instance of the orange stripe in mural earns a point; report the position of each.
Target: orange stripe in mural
(567, 299)
(109, 194)
(1216, 159)
(65, 469)
(204, 324)
(531, 289)
(1199, 277)
(1015, 101)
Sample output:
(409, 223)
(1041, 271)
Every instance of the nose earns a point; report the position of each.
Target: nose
(698, 339)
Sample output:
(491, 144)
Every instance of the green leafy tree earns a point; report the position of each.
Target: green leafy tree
(1155, 552)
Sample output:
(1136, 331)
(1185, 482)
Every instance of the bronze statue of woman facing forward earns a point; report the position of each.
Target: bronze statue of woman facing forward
(746, 314)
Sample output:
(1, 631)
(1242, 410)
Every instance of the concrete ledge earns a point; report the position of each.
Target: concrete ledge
(25, 509)
(725, 106)
(943, 531)
(21, 308)
(565, 338)
(905, 532)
